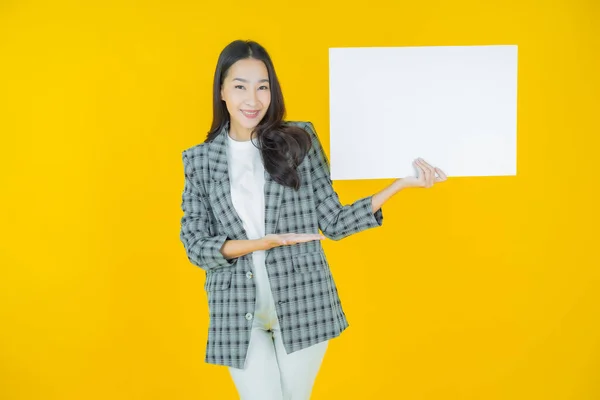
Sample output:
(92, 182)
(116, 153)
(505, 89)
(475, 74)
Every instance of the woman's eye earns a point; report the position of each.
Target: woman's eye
(242, 87)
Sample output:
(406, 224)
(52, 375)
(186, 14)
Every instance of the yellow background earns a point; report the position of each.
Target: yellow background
(480, 288)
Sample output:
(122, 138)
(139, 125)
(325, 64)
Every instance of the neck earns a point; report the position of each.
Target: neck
(239, 133)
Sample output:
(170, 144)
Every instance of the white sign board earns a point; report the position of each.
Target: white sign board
(454, 106)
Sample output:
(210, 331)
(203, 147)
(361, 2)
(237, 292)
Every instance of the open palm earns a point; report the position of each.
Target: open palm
(286, 239)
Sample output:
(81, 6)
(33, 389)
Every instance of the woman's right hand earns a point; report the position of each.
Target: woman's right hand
(286, 239)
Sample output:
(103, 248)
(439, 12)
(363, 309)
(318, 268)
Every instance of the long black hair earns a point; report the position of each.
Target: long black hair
(282, 147)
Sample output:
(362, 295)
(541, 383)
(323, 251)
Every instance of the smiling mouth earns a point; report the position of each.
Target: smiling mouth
(250, 114)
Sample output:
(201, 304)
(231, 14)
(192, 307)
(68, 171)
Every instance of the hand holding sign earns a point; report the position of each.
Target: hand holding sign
(426, 175)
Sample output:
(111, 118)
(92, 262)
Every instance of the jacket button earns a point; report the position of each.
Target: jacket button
(248, 316)
(249, 275)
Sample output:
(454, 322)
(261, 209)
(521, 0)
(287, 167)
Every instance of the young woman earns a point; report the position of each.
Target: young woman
(257, 191)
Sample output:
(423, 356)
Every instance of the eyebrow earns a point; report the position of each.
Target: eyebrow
(244, 80)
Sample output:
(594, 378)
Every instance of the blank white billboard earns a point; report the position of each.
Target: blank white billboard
(454, 106)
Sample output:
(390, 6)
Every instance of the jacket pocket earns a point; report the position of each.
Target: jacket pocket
(309, 262)
(217, 281)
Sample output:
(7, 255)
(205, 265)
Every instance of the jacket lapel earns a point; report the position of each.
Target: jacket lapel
(220, 191)
(273, 195)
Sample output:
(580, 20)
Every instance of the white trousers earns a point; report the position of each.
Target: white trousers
(270, 373)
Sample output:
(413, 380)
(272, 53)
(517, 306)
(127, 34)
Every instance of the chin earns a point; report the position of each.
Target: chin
(251, 124)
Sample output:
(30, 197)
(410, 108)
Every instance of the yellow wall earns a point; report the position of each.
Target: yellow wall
(482, 288)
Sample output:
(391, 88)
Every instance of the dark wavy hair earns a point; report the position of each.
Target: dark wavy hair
(282, 147)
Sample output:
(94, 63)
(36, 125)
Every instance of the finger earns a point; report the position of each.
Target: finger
(442, 175)
(308, 237)
(439, 179)
(431, 170)
(303, 235)
(419, 167)
(426, 164)
(431, 173)
(420, 175)
(427, 170)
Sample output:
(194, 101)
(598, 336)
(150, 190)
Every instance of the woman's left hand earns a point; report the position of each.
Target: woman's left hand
(426, 175)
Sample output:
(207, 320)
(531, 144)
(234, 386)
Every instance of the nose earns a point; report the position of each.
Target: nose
(252, 99)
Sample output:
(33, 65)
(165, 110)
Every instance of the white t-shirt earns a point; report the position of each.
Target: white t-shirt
(247, 179)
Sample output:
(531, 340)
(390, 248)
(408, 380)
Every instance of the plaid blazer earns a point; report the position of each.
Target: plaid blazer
(305, 294)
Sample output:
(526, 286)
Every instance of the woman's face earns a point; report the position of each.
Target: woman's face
(247, 93)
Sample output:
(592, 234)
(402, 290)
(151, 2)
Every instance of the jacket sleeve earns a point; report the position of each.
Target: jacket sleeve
(336, 221)
(203, 250)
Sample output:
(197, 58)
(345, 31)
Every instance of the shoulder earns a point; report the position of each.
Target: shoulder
(195, 164)
(194, 154)
(195, 161)
(299, 124)
(306, 126)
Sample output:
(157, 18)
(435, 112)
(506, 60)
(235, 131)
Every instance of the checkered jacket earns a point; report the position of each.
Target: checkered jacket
(306, 298)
